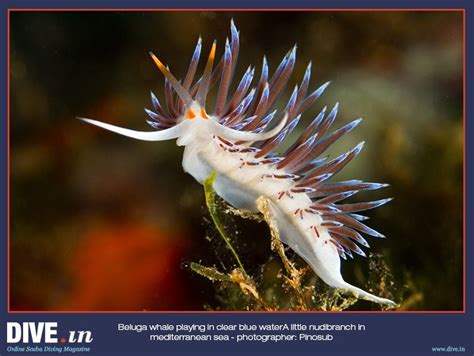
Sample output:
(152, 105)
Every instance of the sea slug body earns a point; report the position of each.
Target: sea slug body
(235, 140)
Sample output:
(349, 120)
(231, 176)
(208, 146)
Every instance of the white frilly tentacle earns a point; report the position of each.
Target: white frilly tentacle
(236, 135)
(162, 135)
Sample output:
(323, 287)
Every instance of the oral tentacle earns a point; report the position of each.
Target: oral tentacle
(162, 135)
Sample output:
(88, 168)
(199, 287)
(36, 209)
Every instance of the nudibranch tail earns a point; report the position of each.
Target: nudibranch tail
(240, 139)
(362, 294)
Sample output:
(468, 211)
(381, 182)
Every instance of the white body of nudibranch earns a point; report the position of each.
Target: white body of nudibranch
(234, 143)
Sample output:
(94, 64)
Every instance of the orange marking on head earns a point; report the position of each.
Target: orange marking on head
(203, 114)
(191, 114)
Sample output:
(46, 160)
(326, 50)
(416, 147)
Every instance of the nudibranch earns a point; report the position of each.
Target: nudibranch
(238, 139)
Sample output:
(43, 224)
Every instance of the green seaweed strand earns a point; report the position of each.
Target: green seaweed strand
(213, 211)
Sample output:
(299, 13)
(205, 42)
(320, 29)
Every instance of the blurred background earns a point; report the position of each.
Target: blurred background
(103, 222)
